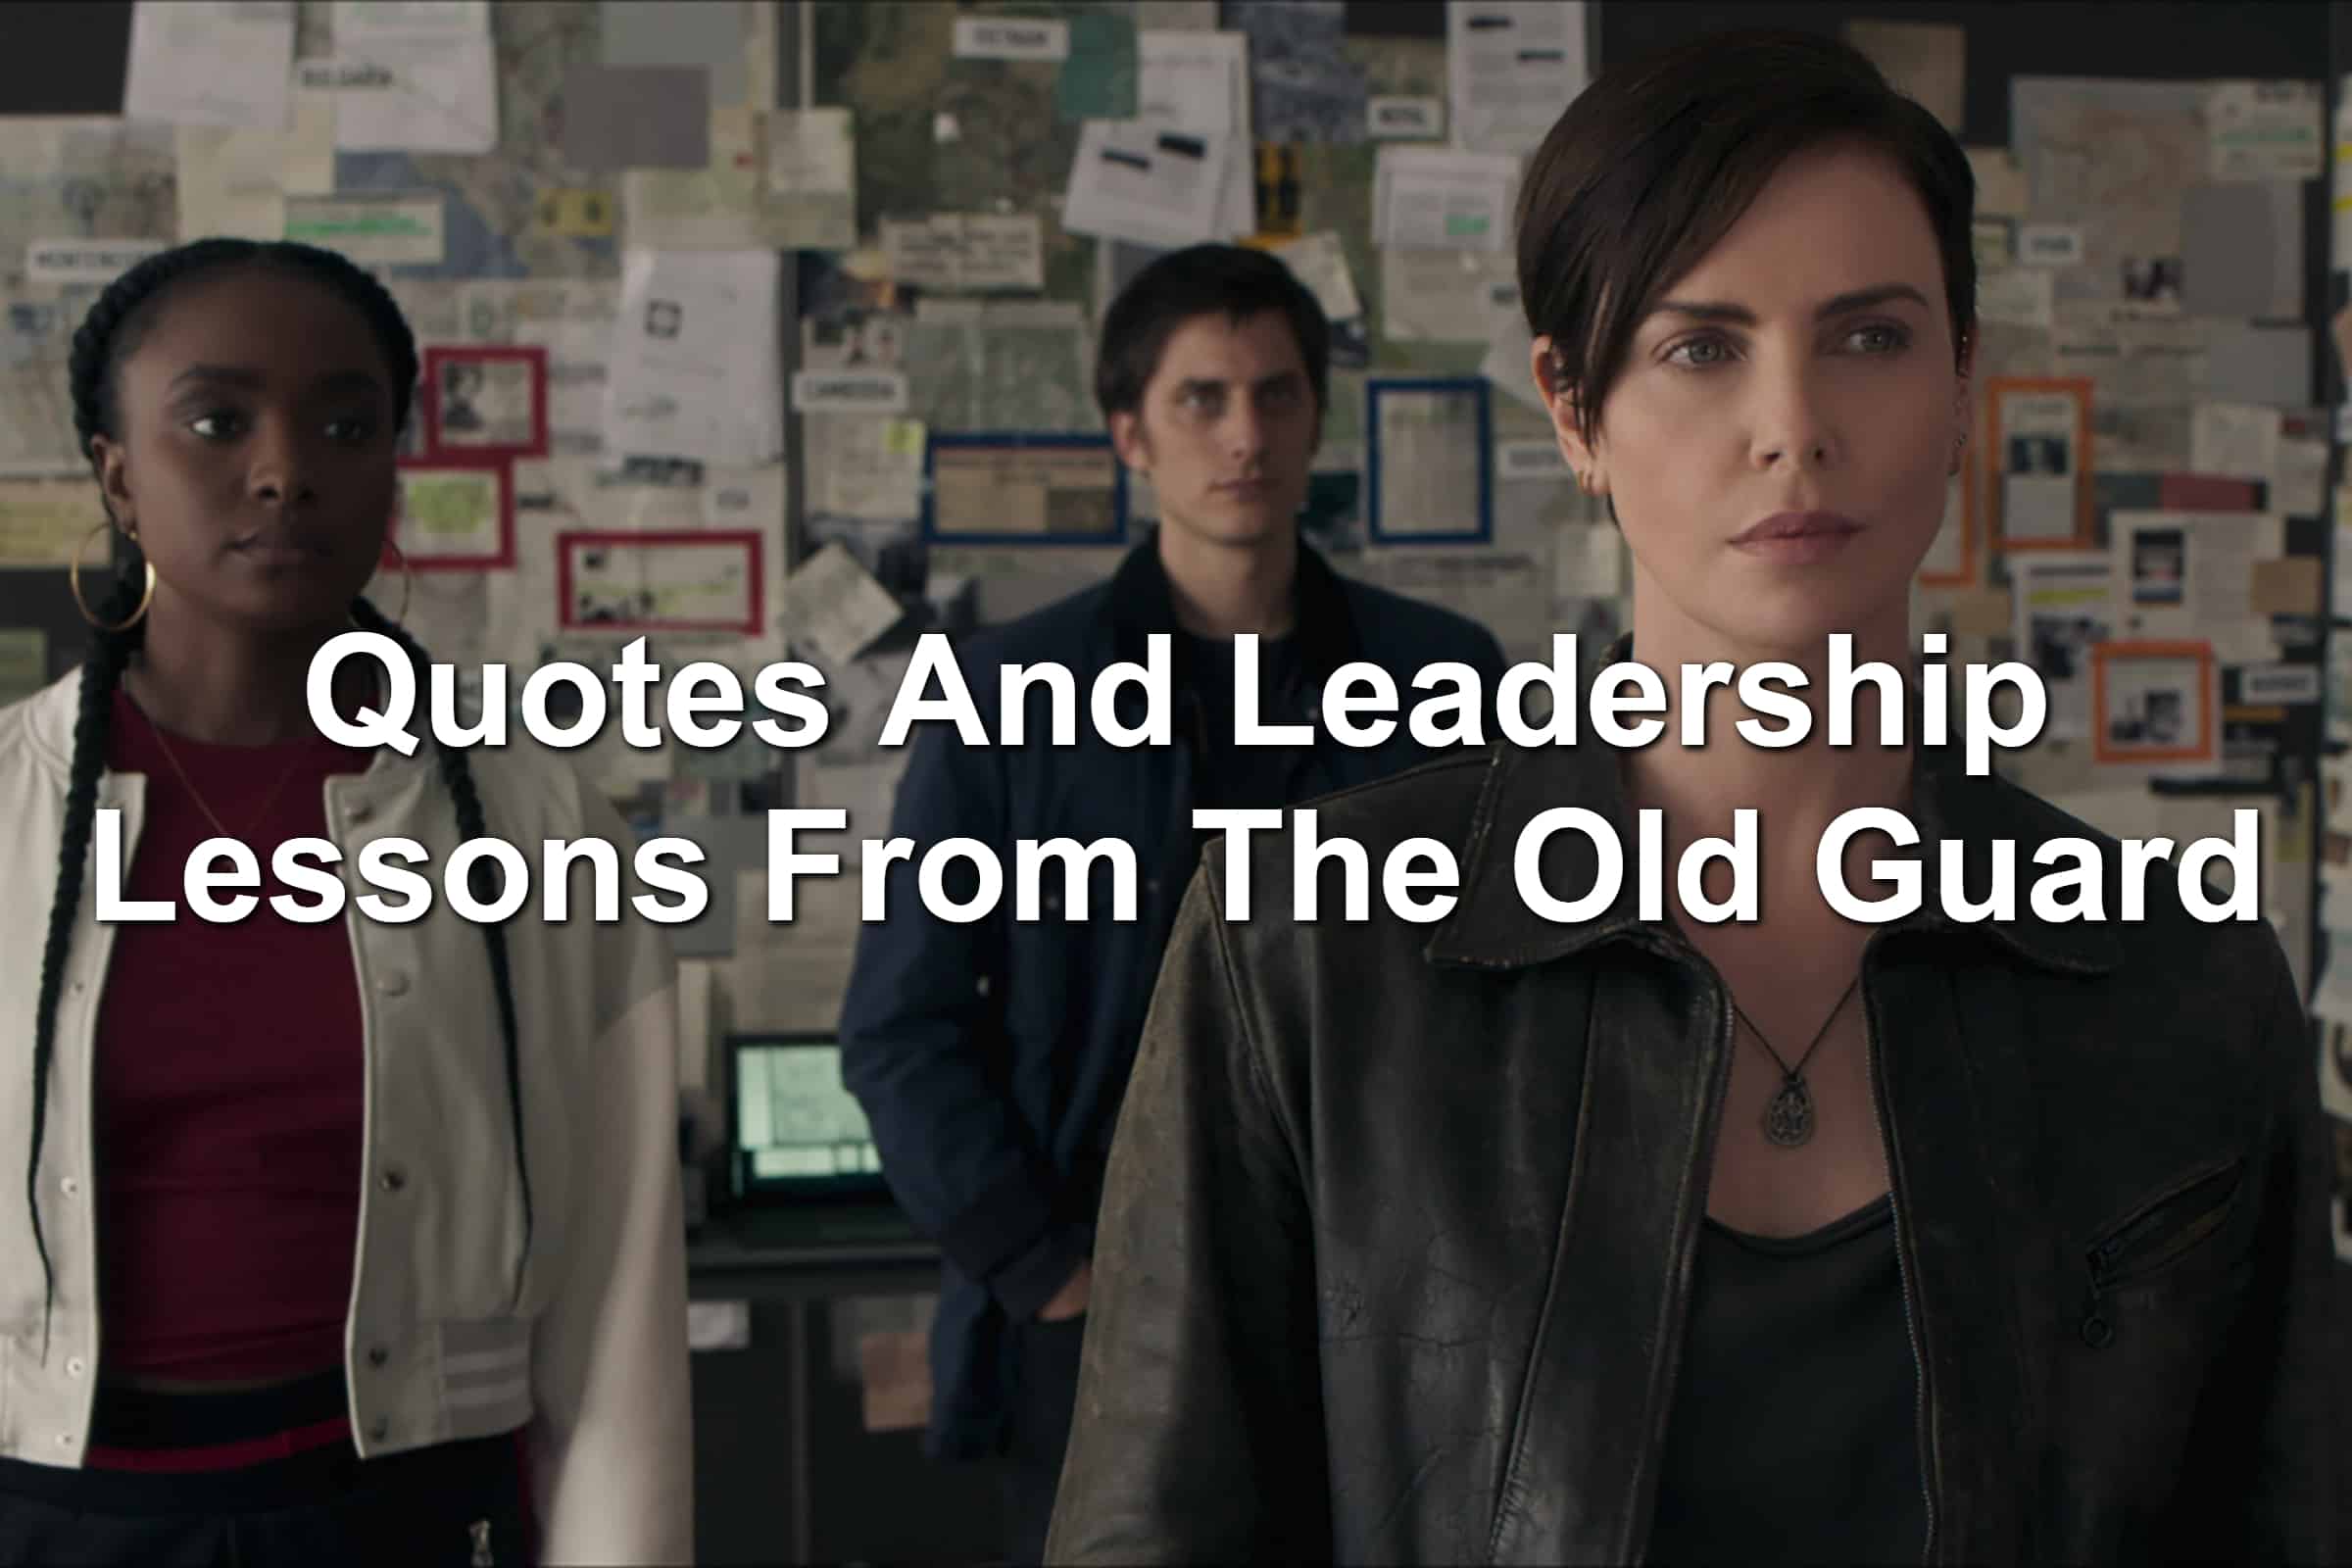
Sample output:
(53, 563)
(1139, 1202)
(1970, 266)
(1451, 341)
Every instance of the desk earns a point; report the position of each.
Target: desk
(776, 1406)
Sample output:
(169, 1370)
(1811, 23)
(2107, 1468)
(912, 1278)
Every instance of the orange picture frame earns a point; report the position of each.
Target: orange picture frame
(1996, 533)
(2105, 654)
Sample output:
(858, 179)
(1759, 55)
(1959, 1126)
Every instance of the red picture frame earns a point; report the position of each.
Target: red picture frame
(746, 540)
(439, 357)
(426, 560)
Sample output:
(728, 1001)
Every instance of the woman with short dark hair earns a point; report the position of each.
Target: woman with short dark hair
(1640, 1232)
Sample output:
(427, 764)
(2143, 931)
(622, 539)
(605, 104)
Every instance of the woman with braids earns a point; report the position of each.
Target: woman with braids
(339, 1238)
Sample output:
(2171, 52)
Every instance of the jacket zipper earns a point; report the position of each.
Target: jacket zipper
(1921, 1434)
(2202, 1201)
(1671, 1347)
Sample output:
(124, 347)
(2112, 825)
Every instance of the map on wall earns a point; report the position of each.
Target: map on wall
(491, 217)
(937, 133)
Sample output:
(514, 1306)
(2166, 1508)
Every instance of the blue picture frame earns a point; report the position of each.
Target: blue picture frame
(966, 440)
(1473, 387)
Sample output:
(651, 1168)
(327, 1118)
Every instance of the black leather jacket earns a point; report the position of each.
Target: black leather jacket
(1395, 1251)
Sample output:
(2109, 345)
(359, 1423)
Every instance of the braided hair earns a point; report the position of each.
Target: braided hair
(108, 335)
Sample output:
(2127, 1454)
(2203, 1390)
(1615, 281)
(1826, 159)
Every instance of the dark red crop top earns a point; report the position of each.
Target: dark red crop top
(230, 1087)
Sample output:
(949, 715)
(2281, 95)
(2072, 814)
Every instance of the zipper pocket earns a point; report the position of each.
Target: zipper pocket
(2152, 1240)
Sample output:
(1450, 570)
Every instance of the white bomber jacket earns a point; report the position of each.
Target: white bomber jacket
(593, 1356)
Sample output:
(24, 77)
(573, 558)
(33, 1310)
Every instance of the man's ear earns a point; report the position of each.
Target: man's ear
(112, 474)
(1559, 402)
(1127, 440)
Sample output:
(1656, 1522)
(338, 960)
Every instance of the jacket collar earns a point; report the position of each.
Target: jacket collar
(1492, 925)
(1141, 604)
(49, 715)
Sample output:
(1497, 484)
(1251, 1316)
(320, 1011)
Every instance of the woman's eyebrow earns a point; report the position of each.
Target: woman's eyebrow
(251, 380)
(1860, 299)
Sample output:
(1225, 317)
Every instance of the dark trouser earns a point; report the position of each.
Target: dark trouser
(1043, 1403)
(457, 1503)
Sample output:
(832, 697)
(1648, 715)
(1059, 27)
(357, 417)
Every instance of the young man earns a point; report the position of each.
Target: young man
(991, 1057)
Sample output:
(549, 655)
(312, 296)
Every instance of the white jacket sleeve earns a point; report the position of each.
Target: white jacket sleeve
(612, 1440)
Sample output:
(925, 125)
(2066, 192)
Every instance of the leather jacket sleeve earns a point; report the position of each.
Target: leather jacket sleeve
(2266, 1478)
(1198, 1433)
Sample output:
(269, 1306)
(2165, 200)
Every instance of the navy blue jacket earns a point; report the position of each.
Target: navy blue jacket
(991, 1057)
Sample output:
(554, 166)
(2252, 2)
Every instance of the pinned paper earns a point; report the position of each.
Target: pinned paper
(1321, 263)
(2049, 245)
(708, 35)
(390, 227)
(812, 178)
(966, 252)
(2300, 488)
(235, 181)
(2242, 250)
(1530, 459)
(1394, 118)
(576, 213)
(2016, 296)
(1511, 66)
(201, 63)
(1994, 243)
(1923, 61)
(2264, 131)
(864, 468)
(1149, 184)
(1981, 612)
(697, 371)
(849, 391)
(2292, 585)
(1446, 296)
(43, 520)
(87, 264)
(834, 606)
(1011, 38)
(435, 94)
(2237, 440)
(636, 117)
(1434, 198)
(2001, 190)
(2247, 364)
(1194, 81)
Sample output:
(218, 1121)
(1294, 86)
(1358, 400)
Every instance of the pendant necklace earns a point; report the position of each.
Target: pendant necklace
(1789, 1118)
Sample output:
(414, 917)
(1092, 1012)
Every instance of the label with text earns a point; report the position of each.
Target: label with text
(1402, 118)
(848, 392)
(1011, 38)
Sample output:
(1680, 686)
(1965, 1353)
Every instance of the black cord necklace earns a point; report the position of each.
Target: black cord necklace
(1789, 1118)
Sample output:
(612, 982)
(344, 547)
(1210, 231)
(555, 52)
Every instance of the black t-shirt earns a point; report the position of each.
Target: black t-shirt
(1227, 776)
(1793, 1435)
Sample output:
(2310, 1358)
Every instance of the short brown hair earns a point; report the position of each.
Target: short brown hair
(1234, 281)
(1657, 158)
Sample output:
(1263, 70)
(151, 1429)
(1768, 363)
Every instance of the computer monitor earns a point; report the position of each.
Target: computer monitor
(795, 1131)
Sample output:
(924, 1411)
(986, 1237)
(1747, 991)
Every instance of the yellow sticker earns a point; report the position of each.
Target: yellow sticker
(577, 213)
(904, 438)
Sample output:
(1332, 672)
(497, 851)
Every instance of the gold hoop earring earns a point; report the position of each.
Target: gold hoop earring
(74, 582)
